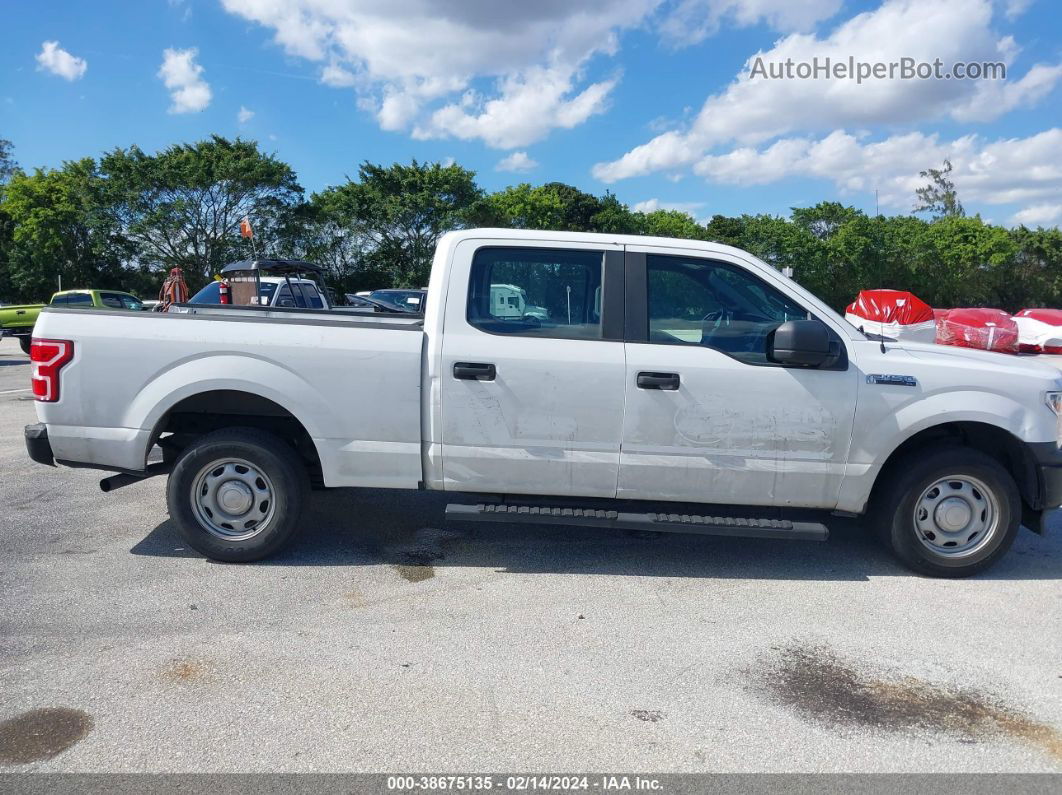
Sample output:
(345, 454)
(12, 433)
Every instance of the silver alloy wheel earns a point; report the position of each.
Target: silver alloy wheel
(956, 516)
(233, 499)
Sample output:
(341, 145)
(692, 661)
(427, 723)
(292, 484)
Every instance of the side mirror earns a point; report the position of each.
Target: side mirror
(286, 303)
(803, 343)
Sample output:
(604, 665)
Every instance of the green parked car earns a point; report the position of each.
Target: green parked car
(18, 320)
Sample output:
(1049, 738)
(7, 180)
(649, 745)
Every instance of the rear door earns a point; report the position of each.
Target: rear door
(532, 389)
(708, 417)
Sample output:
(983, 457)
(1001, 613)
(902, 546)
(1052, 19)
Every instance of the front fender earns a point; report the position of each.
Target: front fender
(876, 438)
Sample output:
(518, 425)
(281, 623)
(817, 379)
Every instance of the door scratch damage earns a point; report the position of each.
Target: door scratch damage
(41, 734)
(820, 687)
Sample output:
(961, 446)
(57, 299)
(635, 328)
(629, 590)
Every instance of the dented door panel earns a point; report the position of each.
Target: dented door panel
(733, 432)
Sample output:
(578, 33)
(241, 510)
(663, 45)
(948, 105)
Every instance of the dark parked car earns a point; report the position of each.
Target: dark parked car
(406, 300)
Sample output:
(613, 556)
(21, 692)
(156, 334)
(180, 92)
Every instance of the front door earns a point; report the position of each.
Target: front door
(708, 418)
(531, 378)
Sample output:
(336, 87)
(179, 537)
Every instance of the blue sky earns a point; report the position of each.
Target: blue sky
(651, 100)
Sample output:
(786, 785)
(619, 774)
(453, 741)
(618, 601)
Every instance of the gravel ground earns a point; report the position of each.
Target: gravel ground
(385, 640)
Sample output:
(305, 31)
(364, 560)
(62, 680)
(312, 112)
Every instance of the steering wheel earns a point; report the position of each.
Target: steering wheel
(716, 316)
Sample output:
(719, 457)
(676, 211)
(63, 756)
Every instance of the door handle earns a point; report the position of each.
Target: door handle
(668, 381)
(475, 371)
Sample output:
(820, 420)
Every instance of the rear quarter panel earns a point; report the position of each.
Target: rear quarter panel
(356, 389)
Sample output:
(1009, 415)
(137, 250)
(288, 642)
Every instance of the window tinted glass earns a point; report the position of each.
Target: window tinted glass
(211, 294)
(266, 290)
(701, 302)
(113, 301)
(208, 295)
(58, 300)
(406, 299)
(536, 292)
(79, 298)
(302, 295)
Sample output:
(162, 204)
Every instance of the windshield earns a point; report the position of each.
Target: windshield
(409, 300)
(211, 294)
(121, 301)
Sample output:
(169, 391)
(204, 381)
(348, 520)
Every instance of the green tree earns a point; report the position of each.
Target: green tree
(825, 219)
(726, 229)
(8, 165)
(59, 231)
(1033, 278)
(8, 168)
(182, 206)
(393, 216)
(555, 206)
(672, 223)
(615, 217)
(939, 196)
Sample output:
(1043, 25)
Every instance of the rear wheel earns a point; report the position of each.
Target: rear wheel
(951, 513)
(237, 495)
(24, 343)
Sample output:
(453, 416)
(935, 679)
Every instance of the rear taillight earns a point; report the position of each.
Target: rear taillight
(48, 357)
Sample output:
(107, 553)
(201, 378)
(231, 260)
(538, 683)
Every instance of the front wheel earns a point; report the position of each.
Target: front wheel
(949, 513)
(237, 495)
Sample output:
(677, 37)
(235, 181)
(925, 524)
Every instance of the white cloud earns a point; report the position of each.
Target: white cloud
(1015, 8)
(244, 115)
(753, 109)
(336, 76)
(691, 21)
(58, 61)
(654, 204)
(1039, 215)
(1004, 171)
(183, 77)
(530, 105)
(504, 73)
(517, 161)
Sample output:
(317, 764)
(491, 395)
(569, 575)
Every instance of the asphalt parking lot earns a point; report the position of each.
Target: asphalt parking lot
(385, 640)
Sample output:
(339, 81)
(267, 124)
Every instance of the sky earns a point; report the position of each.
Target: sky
(666, 103)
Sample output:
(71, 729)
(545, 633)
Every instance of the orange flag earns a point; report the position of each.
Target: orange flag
(245, 228)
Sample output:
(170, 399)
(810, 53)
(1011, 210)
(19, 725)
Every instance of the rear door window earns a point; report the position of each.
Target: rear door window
(302, 295)
(537, 292)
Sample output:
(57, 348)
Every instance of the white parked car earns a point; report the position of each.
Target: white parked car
(672, 385)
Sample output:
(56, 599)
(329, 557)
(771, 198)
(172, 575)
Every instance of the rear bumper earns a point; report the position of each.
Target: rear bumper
(37, 444)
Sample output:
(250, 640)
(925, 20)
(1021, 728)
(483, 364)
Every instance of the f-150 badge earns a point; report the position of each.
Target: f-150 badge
(893, 380)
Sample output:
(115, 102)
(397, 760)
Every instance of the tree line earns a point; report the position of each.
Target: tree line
(121, 220)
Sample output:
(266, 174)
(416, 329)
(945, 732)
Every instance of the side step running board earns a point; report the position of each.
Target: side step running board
(742, 527)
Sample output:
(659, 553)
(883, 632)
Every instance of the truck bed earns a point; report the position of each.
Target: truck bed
(352, 380)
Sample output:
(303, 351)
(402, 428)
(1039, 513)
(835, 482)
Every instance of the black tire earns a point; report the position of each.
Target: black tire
(288, 489)
(24, 343)
(893, 510)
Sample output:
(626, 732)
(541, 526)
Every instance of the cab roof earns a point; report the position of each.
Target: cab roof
(278, 267)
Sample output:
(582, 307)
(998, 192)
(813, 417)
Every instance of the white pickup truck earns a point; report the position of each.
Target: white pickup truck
(668, 385)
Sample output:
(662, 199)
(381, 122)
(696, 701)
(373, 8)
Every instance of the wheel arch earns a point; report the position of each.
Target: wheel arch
(999, 443)
(197, 414)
